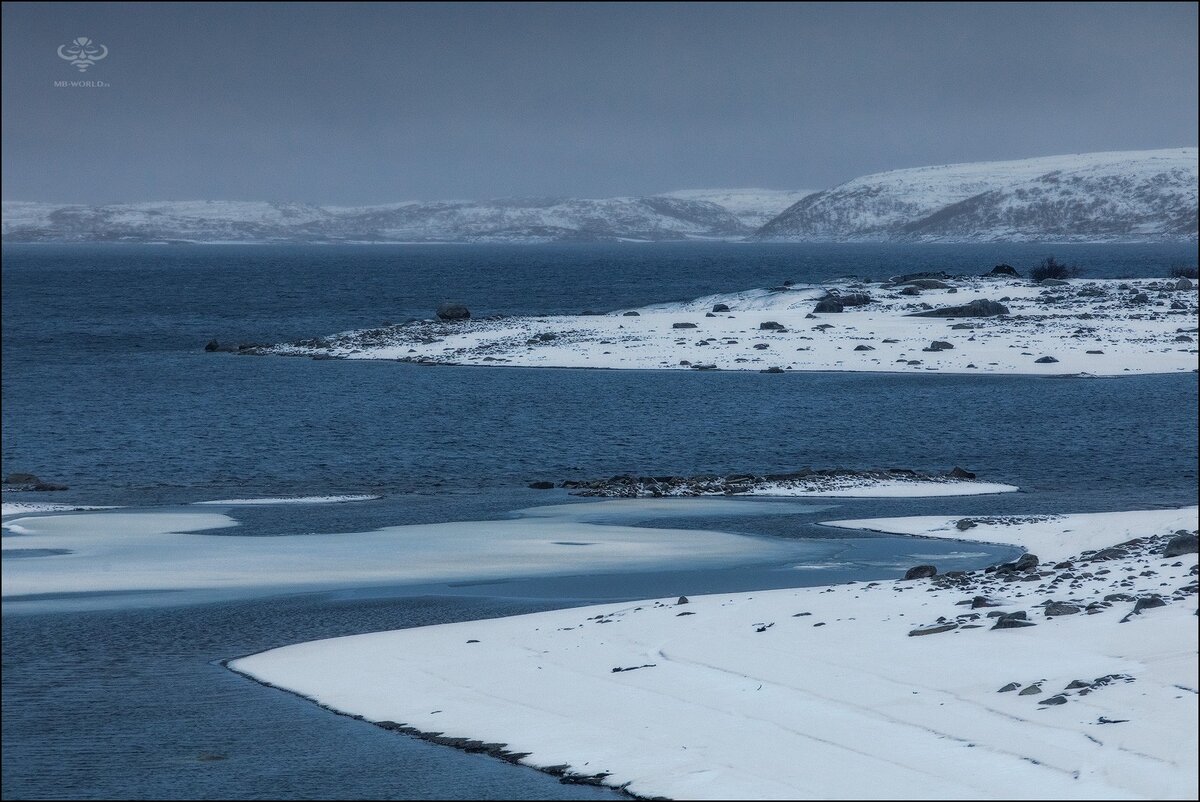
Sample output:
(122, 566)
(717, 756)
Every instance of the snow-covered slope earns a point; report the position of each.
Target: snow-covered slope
(1119, 196)
(754, 207)
(522, 220)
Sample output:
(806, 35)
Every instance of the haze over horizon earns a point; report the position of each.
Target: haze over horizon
(338, 104)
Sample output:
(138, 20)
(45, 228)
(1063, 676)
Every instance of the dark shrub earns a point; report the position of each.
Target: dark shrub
(1052, 268)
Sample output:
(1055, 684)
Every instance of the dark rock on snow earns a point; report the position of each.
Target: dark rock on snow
(453, 312)
(920, 572)
(979, 308)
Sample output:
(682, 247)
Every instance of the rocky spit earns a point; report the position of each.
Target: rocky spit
(804, 480)
(996, 323)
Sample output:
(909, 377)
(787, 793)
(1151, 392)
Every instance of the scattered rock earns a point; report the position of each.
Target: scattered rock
(1060, 608)
(1032, 690)
(1057, 699)
(1012, 686)
(933, 630)
(979, 308)
(1026, 562)
(1014, 621)
(927, 284)
(1182, 543)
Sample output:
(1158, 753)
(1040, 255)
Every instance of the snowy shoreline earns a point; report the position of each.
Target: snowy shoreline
(1102, 327)
(769, 694)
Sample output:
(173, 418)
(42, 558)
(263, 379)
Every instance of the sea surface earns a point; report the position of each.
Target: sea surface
(106, 388)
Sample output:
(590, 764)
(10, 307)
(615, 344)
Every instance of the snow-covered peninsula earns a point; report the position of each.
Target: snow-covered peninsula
(945, 324)
(1068, 675)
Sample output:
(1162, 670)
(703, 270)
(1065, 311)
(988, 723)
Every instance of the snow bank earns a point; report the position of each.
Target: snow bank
(883, 690)
(259, 502)
(29, 507)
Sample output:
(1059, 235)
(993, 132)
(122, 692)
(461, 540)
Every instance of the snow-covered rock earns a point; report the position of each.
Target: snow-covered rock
(1118, 196)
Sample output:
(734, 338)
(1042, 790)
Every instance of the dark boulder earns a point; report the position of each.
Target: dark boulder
(911, 290)
(1026, 562)
(827, 305)
(542, 485)
(1060, 608)
(1003, 271)
(1183, 543)
(920, 572)
(22, 479)
(633, 314)
(1014, 621)
(926, 284)
(855, 299)
(978, 308)
(863, 348)
(720, 308)
(1147, 603)
(683, 325)
(453, 312)
(960, 473)
(212, 345)
(939, 345)
(934, 630)
(771, 325)
(1045, 360)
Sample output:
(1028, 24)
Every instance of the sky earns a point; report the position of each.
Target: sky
(350, 104)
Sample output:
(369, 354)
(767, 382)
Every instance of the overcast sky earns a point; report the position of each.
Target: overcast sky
(346, 104)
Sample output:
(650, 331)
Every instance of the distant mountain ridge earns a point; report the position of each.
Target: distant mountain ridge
(1091, 197)
(651, 218)
(1128, 196)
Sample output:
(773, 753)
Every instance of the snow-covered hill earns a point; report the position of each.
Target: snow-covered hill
(1119, 196)
(754, 207)
(505, 220)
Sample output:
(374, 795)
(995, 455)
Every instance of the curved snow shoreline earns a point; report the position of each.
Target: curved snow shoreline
(1104, 327)
(700, 701)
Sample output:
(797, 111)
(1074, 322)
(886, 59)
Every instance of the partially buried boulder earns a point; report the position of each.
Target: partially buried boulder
(920, 572)
(453, 312)
(1182, 543)
(960, 473)
(978, 308)
(1003, 270)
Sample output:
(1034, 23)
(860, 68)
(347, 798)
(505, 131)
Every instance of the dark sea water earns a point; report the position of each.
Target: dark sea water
(106, 388)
